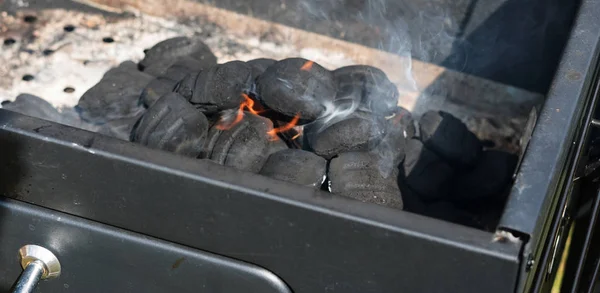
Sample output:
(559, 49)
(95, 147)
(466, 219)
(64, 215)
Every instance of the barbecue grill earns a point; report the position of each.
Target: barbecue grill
(122, 217)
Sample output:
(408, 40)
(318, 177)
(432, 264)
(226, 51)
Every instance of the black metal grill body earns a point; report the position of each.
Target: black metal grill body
(113, 196)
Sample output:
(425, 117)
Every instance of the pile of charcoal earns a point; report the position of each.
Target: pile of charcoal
(293, 120)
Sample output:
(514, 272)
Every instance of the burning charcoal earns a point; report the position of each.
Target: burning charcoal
(172, 124)
(244, 146)
(174, 48)
(449, 138)
(368, 85)
(425, 172)
(297, 86)
(259, 66)
(489, 179)
(116, 96)
(296, 166)
(356, 175)
(218, 88)
(359, 131)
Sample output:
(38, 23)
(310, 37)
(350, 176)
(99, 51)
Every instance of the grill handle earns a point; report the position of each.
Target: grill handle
(38, 264)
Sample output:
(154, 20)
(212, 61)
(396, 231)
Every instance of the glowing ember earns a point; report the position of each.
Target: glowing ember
(299, 130)
(248, 103)
(273, 132)
(307, 66)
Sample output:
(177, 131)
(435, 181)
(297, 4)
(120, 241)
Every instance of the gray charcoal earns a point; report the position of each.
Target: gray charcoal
(218, 88)
(425, 172)
(356, 175)
(174, 125)
(449, 138)
(488, 180)
(360, 131)
(259, 66)
(368, 85)
(116, 96)
(174, 48)
(34, 106)
(245, 146)
(180, 66)
(119, 128)
(157, 88)
(296, 166)
(37, 107)
(290, 88)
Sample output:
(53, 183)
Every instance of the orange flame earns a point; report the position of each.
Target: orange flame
(248, 103)
(299, 130)
(307, 66)
(273, 132)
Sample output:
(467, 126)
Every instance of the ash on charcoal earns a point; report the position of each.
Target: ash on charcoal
(425, 172)
(297, 86)
(172, 124)
(369, 86)
(245, 146)
(359, 131)
(116, 96)
(488, 180)
(174, 48)
(259, 66)
(356, 175)
(218, 88)
(296, 166)
(449, 138)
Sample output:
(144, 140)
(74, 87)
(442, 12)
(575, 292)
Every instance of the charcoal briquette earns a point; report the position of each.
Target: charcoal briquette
(359, 131)
(356, 175)
(368, 85)
(297, 86)
(425, 172)
(449, 138)
(245, 146)
(177, 69)
(218, 88)
(296, 166)
(175, 48)
(174, 125)
(116, 96)
(259, 66)
(157, 88)
(489, 179)
(33, 106)
(120, 128)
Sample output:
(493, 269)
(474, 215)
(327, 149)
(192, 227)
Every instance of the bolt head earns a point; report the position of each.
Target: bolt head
(29, 253)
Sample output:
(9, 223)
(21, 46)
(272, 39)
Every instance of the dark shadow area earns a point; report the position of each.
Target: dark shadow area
(520, 43)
